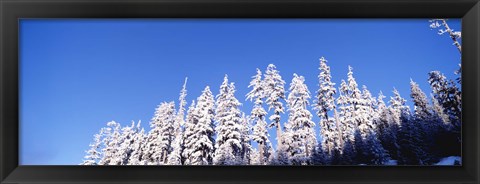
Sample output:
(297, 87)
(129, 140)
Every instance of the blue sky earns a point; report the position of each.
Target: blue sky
(78, 74)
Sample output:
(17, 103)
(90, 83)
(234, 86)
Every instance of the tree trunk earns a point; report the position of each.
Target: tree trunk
(337, 123)
(261, 148)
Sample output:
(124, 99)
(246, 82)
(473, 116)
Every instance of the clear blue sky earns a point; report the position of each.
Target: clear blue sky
(78, 74)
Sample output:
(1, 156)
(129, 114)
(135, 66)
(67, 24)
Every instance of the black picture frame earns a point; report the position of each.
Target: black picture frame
(12, 10)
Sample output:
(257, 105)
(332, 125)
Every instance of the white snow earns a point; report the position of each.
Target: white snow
(450, 160)
(391, 162)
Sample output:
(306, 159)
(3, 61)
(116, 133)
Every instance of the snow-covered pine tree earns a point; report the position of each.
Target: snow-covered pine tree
(94, 153)
(448, 139)
(140, 138)
(160, 138)
(397, 105)
(228, 144)
(275, 93)
(260, 132)
(355, 98)
(366, 113)
(376, 154)
(428, 127)
(127, 145)
(454, 35)
(323, 104)
(421, 108)
(410, 141)
(246, 140)
(387, 129)
(321, 157)
(189, 135)
(438, 113)
(302, 140)
(202, 146)
(347, 124)
(349, 116)
(175, 158)
(409, 135)
(448, 95)
(111, 143)
(369, 149)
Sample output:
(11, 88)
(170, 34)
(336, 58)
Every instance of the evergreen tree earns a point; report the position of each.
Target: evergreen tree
(127, 145)
(139, 137)
(94, 154)
(175, 158)
(350, 117)
(228, 144)
(203, 145)
(448, 95)
(410, 141)
(428, 127)
(275, 92)
(260, 132)
(325, 103)
(160, 138)
(347, 124)
(246, 140)
(189, 135)
(369, 149)
(387, 129)
(302, 139)
(111, 143)
(397, 106)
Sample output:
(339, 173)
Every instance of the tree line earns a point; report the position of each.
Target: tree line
(356, 128)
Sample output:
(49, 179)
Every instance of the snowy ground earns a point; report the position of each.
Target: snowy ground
(450, 160)
(444, 161)
(391, 162)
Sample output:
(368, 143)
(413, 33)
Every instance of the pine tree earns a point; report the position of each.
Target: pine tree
(350, 117)
(397, 105)
(94, 154)
(302, 139)
(189, 135)
(111, 144)
(275, 92)
(228, 144)
(203, 142)
(325, 103)
(454, 35)
(410, 141)
(159, 143)
(448, 95)
(260, 132)
(175, 158)
(366, 113)
(398, 109)
(428, 127)
(387, 129)
(127, 145)
(420, 102)
(347, 124)
(368, 147)
(246, 140)
(140, 138)
(439, 113)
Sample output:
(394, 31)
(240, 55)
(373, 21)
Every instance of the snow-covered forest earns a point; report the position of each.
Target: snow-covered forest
(356, 127)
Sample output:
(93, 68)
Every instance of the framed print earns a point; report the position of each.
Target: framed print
(239, 91)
